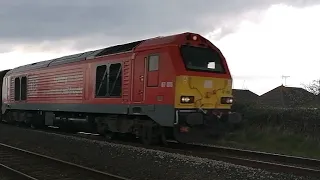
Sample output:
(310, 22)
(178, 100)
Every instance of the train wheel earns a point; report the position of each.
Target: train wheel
(163, 138)
(10, 118)
(150, 135)
(146, 135)
(111, 135)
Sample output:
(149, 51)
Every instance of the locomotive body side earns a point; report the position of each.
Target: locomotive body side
(62, 91)
(64, 95)
(58, 85)
(33, 95)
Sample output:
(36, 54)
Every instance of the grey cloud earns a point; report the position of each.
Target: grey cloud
(35, 21)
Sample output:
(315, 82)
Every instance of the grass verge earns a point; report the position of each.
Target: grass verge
(274, 140)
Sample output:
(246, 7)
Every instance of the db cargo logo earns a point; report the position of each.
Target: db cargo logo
(64, 91)
(64, 79)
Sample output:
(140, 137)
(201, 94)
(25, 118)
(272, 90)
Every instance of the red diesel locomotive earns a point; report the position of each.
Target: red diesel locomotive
(173, 87)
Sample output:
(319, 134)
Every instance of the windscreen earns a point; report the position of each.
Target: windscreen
(202, 59)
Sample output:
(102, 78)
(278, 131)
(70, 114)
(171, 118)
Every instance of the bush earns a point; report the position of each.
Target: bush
(292, 131)
(295, 120)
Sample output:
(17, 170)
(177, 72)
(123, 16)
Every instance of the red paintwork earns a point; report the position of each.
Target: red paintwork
(153, 78)
(81, 76)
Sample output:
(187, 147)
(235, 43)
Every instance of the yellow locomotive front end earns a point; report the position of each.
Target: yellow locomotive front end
(203, 94)
(203, 108)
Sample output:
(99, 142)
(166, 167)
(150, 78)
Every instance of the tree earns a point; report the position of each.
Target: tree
(313, 87)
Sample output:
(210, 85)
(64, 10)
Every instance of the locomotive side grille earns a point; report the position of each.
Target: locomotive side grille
(126, 81)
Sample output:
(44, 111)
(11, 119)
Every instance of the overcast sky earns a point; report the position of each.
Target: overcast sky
(261, 39)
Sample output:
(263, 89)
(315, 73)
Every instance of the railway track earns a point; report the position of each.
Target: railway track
(272, 157)
(255, 159)
(34, 166)
(268, 161)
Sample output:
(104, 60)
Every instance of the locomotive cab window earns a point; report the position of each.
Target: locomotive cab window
(153, 63)
(153, 71)
(202, 59)
(23, 88)
(17, 89)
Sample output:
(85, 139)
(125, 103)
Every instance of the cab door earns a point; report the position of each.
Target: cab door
(139, 71)
(153, 70)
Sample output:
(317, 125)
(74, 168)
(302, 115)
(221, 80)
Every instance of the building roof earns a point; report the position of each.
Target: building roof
(244, 96)
(282, 96)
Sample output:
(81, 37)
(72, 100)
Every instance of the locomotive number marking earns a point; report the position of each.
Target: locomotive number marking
(169, 84)
(166, 84)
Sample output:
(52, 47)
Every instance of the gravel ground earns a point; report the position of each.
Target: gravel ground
(9, 175)
(131, 162)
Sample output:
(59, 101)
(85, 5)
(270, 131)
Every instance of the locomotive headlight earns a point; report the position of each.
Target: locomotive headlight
(187, 99)
(226, 100)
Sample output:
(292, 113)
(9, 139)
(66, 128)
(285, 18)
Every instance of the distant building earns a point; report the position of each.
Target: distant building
(242, 96)
(286, 97)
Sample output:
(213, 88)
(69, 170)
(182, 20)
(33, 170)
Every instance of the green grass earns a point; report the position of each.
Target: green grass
(273, 140)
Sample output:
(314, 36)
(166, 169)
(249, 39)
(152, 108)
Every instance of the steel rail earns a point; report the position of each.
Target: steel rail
(269, 161)
(36, 166)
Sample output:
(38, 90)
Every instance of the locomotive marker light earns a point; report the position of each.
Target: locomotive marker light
(194, 37)
(184, 129)
(187, 99)
(226, 100)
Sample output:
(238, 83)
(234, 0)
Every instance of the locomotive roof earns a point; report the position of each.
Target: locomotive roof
(100, 52)
(78, 57)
